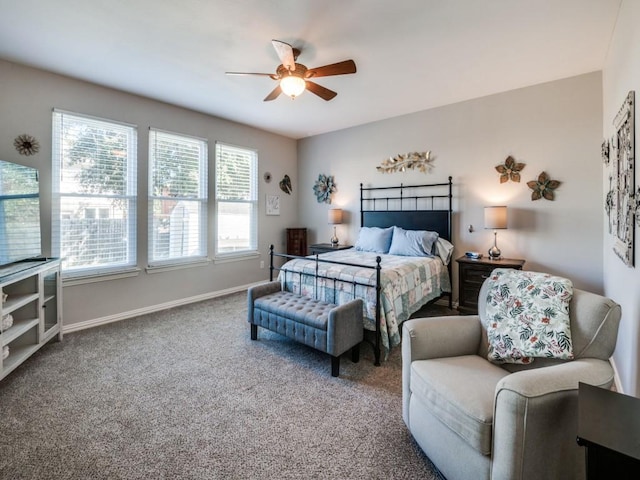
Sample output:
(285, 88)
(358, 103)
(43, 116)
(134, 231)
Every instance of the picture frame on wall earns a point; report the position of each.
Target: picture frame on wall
(624, 168)
(273, 205)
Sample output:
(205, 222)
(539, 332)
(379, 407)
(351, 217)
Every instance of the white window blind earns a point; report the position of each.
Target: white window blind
(94, 194)
(236, 199)
(177, 198)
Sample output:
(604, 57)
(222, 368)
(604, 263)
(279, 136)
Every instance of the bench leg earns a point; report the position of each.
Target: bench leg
(335, 366)
(355, 353)
(254, 331)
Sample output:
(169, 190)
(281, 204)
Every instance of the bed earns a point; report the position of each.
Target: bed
(393, 287)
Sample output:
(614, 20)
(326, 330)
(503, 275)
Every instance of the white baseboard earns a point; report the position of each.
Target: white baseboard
(616, 377)
(74, 327)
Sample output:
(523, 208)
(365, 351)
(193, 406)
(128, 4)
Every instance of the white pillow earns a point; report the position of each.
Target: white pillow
(444, 249)
(412, 243)
(374, 239)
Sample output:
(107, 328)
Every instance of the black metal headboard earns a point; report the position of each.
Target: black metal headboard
(412, 207)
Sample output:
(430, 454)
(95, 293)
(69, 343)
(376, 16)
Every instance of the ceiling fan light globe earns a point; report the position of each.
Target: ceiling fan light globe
(292, 85)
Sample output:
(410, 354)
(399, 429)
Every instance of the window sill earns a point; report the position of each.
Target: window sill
(235, 257)
(72, 280)
(177, 266)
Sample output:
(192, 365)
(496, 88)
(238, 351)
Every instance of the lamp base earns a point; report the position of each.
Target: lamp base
(494, 252)
(334, 239)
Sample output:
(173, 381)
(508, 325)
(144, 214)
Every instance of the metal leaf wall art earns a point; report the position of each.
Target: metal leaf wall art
(421, 161)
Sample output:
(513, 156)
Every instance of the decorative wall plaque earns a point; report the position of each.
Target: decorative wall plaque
(625, 202)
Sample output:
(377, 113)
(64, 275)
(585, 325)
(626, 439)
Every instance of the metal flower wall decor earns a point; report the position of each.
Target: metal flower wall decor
(543, 187)
(420, 161)
(510, 170)
(26, 144)
(324, 187)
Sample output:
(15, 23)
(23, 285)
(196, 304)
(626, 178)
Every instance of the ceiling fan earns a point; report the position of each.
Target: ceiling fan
(294, 78)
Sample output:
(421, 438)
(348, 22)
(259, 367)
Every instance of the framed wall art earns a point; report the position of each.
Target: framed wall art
(624, 168)
(273, 205)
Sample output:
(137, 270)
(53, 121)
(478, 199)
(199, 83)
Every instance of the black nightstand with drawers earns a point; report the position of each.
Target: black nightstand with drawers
(472, 273)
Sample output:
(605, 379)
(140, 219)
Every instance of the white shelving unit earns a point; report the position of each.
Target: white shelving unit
(34, 300)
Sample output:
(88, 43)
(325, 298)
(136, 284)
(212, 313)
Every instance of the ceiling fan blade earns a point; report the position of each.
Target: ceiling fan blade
(321, 91)
(340, 68)
(249, 73)
(274, 77)
(285, 54)
(274, 94)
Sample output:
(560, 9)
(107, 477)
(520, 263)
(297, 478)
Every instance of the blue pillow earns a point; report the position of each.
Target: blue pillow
(412, 243)
(374, 239)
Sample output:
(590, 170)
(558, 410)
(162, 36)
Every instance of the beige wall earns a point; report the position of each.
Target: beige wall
(27, 97)
(554, 127)
(620, 75)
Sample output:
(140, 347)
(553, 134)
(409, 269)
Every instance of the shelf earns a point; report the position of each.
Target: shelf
(18, 328)
(16, 301)
(29, 290)
(17, 355)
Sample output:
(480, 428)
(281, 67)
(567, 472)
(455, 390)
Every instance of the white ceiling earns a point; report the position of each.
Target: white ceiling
(411, 55)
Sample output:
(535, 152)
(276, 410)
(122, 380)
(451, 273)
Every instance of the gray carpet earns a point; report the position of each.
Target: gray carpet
(185, 394)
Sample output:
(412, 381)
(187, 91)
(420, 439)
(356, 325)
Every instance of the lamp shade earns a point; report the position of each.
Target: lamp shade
(335, 216)
(495, 217)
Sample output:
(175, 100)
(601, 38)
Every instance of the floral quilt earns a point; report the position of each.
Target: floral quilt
(527, 316)
(407, 283)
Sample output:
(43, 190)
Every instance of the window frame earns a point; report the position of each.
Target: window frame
(202, 199)
(252, 250)
(129, 266)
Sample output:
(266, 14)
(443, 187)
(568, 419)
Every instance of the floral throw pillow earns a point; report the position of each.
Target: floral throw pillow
(527, 316)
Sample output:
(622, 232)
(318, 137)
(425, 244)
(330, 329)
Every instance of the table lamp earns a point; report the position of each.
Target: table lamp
(335, 218)
(495, 218)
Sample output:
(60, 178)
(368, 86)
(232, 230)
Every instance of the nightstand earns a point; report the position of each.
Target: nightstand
(297, 241)
(471, 275)
(326, 247)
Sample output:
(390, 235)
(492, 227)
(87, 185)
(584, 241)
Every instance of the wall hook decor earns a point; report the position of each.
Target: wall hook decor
(421, 161)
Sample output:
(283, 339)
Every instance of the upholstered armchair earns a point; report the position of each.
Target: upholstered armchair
(478, 420)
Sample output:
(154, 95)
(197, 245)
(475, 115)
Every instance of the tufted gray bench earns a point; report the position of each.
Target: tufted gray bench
(330, 328)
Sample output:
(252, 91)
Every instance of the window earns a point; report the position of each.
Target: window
(177, 198)
(94, 194)
(236, 200)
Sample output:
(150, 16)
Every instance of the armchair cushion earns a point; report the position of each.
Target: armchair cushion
(528, 316)
(460, 392)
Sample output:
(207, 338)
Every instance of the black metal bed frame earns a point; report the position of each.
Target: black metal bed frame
(437, 220)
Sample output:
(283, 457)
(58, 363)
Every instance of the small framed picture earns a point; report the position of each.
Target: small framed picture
(273, 205)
